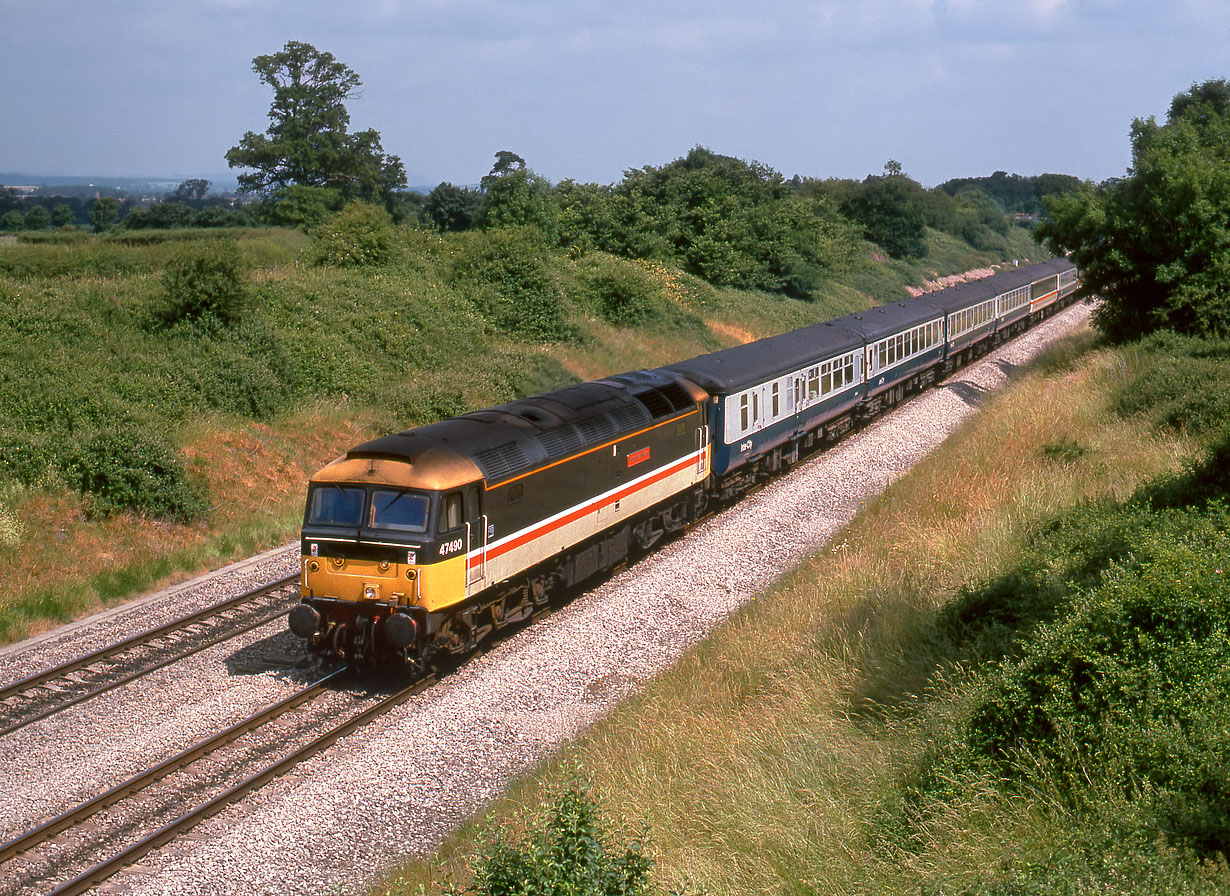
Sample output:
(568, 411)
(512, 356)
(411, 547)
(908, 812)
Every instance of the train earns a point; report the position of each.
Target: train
(419, 545)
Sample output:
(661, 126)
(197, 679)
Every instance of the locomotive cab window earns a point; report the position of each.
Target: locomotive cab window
(400, 510)
(335, 505)
(450, 512)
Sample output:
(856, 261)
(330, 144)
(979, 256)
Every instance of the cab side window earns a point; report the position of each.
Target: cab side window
(450, 518)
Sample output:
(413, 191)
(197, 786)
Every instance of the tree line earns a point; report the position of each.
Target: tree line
(188, 205)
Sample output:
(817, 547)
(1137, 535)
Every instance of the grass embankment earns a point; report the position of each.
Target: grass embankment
(1007, 676)
(115, 392)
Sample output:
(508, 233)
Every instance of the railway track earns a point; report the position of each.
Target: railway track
(41, 695)
(50, 854)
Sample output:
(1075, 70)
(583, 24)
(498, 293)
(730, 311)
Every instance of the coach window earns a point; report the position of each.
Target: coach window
(450, 516)
(745, 422)
(777, 399)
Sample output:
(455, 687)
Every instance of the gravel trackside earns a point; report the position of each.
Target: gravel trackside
(400, 785)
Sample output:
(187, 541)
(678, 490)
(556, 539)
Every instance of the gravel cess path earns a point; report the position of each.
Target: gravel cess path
(399, 786)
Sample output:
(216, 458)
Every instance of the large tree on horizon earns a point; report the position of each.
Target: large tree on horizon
(307, 143)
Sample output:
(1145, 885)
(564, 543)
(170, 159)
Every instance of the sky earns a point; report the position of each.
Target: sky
(587, 90)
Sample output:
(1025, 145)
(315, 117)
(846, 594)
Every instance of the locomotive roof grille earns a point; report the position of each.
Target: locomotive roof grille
(501, 461)
(655, 402)
(677, 396)
(597, 429)
(561, 442)
(629, 417)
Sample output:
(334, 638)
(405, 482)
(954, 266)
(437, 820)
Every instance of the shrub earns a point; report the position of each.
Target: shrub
(302, 206)
(567, 856)
(204, 279)
(123, 468)
(360, 235)
(514, 285)
(1127, 688)
(24, 456)
(624, 294)
(1183, 384)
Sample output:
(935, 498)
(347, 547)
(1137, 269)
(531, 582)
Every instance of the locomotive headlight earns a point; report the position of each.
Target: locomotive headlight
(313, 566)
(370, 592)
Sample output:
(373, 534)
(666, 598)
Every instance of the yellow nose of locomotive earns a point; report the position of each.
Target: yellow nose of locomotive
(380, 581)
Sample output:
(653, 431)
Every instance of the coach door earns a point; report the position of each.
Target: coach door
(477, 534)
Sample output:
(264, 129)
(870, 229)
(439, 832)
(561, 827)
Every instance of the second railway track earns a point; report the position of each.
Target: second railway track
(121, 825)
(45, 693)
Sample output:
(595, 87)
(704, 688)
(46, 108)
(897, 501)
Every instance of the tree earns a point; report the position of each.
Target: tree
(303, 207)
(892, 211)
(452, 208)
(1155, 245)
(12, 220)
(104, 212)
(38, 218)
(515, 196)
(307, 143)
(62, 216)
(732, 222)
(191, 192)
(506, 162)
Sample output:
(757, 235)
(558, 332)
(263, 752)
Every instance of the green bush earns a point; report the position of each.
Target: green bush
(1183, 384)
(1130, 688)
(242, 370)
(568, 855)
(360, 235)
(1104, 661)
(124, 468)
(514, 284)
(623, 293)
(204, 279)
(25, 457)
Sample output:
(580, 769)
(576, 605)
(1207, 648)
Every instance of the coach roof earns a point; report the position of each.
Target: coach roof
(741, 366)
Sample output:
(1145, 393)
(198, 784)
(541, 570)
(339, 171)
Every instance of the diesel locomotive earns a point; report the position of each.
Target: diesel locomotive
(424, 542)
